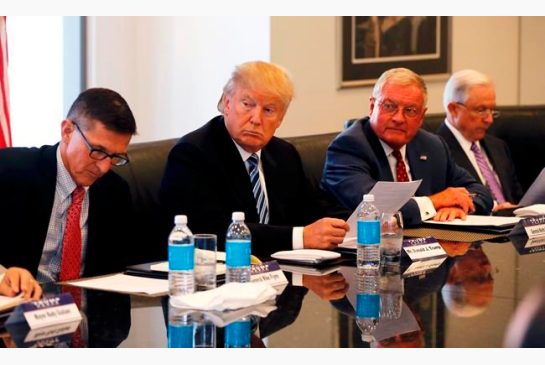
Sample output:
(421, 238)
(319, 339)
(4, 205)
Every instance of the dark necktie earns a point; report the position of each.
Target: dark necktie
(489, 177)
(71, 243)
(401, 171)
(261, 203)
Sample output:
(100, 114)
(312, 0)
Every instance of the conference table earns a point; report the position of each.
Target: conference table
(464, 300)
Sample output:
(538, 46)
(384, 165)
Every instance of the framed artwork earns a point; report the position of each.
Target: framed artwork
(374, 44)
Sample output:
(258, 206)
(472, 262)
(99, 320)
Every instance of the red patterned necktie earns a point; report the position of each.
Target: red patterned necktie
(401, 171)
(71, 243)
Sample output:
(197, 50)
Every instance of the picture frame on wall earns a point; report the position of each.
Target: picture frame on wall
(371, 45)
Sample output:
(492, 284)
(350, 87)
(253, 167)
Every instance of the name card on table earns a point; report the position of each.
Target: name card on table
(46, 312)
(423, 248)
(268, 272)
(534, 226)
(423, 267)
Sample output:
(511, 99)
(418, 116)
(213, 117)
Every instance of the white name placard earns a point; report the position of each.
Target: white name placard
(534, 226)
(268, 272)
(423, 248)
(51, 311)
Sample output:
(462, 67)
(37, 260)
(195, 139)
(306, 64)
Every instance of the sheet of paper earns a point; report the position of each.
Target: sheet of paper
(480, 221)
(10, 302)
(125, 284)
(389, 198)
(163, 266)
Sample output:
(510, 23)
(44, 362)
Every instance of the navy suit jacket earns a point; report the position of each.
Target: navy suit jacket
(356, 161)
(27, 192)
(206, 179)
(499, 155)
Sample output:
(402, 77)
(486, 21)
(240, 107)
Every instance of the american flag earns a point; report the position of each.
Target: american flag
(5, 133)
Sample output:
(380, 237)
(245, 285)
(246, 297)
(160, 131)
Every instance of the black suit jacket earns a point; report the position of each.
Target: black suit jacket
(499, 155)
(27, 191)
(356, 161)
(206, 179)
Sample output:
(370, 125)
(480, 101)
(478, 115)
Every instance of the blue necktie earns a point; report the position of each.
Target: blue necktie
(261, 203)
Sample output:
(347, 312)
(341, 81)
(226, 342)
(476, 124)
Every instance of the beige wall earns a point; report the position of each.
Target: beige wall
(308, 47)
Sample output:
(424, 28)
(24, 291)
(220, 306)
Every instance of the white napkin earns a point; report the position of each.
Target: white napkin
(222, 319)
(226, 297)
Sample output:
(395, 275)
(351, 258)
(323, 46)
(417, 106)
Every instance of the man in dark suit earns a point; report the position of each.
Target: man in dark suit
(65, 213)
(390, 146)
(233, 163)
(469, 100)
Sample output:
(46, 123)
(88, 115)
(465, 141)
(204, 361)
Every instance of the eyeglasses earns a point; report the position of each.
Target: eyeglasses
(482, 111)
(118, 159)
(390, 107)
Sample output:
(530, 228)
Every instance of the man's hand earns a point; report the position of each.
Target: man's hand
(449, 214)
(328, 287)
(325, 233)
(453, 197)
(18, 280)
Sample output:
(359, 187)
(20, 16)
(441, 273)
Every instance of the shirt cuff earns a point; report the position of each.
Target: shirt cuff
(296, 279)
(425, 206)
(297, 238)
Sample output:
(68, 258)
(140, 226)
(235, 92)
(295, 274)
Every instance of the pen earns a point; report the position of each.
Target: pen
(473, 195)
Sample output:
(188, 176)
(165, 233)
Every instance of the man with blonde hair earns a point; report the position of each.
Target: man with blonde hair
(390, 146)
(234, 163)
(469, 100)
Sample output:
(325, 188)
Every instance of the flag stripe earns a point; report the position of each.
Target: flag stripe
(5, 130)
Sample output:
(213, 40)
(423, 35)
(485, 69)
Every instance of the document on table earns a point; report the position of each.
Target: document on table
(389, 198)
(480, 221)
(10, 302)
(122, 283)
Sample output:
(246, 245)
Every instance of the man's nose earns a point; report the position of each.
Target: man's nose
(104, 165)
(257, 115)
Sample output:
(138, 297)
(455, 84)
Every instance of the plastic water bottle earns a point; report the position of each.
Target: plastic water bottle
(238, 250)
(181, 258)
(368, 246)
(238, 334)
(181, 329)
(367, 303)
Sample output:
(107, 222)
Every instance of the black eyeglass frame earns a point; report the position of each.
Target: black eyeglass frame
(98, 154)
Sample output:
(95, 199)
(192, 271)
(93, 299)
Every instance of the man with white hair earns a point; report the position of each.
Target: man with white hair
(469, 100)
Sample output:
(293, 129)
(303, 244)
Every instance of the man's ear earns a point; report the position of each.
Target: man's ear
(67, 128)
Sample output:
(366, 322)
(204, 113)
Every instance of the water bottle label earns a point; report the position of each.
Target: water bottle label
(238, 253)
(181, 257)
(237, 334)
(368, 305)
(180, 336)
(369, 232)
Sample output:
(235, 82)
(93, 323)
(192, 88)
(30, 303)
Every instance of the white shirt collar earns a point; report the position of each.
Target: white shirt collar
(245, 155)
(464, 143)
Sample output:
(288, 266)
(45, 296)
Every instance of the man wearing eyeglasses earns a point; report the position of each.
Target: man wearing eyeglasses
(390, 146)
(469, 100)
(64, 213)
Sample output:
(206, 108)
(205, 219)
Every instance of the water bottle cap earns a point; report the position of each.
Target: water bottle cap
(238, 216)
(368, 198)
(180, 219)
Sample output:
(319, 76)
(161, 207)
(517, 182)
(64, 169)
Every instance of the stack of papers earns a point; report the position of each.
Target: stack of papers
(10, 302)
(478, 223)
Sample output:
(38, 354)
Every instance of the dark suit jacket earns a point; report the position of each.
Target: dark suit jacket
(499, 155)
(27, 191)
(355, 161)
(207, 180)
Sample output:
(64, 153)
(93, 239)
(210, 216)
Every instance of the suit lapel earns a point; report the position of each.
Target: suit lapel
(270, 166)
(457, 152)
(383, 164)
(231, 166)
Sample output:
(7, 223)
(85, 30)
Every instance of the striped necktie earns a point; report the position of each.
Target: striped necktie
(261, 202)
(489, 177)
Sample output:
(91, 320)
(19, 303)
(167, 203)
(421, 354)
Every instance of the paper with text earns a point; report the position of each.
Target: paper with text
(389, 198)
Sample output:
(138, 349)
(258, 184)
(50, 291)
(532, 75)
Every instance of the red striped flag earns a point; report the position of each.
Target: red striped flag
(5, 132)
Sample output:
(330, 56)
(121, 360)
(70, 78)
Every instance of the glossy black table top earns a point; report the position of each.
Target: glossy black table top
(467, 301)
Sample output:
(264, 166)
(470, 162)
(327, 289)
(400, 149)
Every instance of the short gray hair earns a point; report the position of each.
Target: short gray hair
(400, 76)
(460, 83)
